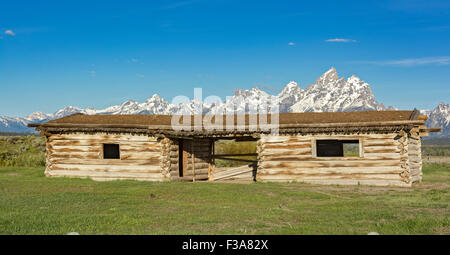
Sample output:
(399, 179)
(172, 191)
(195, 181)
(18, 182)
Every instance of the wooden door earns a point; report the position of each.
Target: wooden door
(184, 156)
(194, 159)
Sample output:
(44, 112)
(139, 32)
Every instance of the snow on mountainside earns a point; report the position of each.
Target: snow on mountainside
(333, 94)
(330, 93)
(439, 117)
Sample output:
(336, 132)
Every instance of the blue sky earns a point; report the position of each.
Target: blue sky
(83, 53)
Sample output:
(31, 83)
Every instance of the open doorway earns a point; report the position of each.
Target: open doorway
(234, 159)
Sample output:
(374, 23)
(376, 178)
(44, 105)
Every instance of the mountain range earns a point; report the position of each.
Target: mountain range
(330, 93)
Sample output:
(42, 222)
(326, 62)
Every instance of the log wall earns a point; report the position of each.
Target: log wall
(415, 157)
(81, 155)
(383, 161)
(173, 159)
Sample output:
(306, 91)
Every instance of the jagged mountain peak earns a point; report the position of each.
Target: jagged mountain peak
(329, 93)
(154, 97)
(37, 116)
(442, 106)
(129, 102)
(291, 87)
(439, 117)
(329, 76)
(254, 92)
(332, 93)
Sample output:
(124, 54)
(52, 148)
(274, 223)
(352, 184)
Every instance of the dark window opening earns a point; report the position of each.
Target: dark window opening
(337, 148)
(111, 151)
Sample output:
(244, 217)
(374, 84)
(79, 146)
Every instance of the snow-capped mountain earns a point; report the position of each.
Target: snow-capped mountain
(18, 125)
(329, 93)
(291, 94)
(439, 117)
(333, 94)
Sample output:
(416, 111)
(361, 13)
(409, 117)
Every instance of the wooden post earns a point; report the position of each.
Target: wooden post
(214, 159)
(210, 158)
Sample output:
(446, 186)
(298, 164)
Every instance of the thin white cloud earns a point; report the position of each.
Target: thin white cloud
(291, 44)
(140, 75)
(340, 40)
(10, 32)
(442, 60)
(179, 4)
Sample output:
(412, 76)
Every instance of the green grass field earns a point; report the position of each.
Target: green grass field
(31, 203)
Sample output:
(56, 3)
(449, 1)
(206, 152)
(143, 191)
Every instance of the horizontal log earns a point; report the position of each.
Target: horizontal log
(99, 148)
(308, 157)
(94, 148)
(381, 137)
(120, 168)
(394, 183)
(331, 163)
(134, 179)
(139, 155)
(197, 165)
(282, 157)
(381, 149)
(92, 174)
(94, 142)
(236, 159)
(79, 155)
(285, 139)
(197, 172)
(102, 136)
(273, 152)
(370, 155)
(286, 146)
(228, 155)
(438, 129)
(335, 136)
(323, 176)
(391, 143)
(372, 140)
(145, 162)
(197, 160)
(332, 170)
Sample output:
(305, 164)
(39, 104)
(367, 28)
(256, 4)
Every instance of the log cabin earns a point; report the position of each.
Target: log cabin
(380, 148)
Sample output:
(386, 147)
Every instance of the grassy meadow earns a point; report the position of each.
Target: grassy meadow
(31, 203)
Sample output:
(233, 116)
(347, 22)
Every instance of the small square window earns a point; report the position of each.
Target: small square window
(111, 151)
(337, 148)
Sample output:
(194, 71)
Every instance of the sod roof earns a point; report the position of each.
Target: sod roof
(284, 118)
